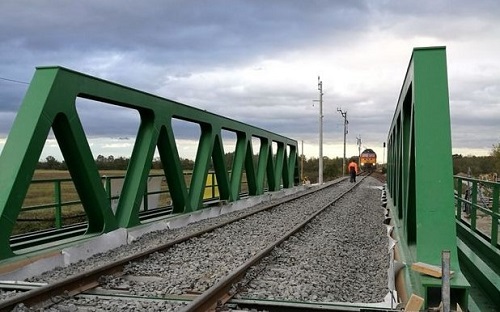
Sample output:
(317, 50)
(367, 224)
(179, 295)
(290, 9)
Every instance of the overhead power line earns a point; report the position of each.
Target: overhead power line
(12, 80)
(320, 173)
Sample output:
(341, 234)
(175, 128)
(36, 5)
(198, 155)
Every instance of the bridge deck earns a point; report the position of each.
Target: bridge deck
(478, 301)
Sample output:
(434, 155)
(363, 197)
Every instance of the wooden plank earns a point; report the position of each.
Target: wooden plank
(428, 269)
(414, 304)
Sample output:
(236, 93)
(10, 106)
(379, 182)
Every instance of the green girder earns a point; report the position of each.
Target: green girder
(50, 103)
(420, 173)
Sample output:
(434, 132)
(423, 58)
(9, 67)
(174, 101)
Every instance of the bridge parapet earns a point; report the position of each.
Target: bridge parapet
(477, 216)
(420, 177)
(50, 103)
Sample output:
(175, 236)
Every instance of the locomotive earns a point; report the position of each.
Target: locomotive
(368, 160)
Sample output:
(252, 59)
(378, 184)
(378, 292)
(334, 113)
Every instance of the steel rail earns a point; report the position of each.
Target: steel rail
(87, 280)
(219, 293)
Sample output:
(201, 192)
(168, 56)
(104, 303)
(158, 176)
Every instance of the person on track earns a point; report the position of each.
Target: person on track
(353, 170)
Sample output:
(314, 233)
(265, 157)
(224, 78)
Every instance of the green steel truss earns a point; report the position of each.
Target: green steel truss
(50, 103)
(420, 175)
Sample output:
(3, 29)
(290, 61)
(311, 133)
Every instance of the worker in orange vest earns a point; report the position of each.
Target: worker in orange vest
(353, 170)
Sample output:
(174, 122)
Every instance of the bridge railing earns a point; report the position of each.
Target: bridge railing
(53, 203)
(477, 221)
(419, 177)
(477, 204)
(50, 104)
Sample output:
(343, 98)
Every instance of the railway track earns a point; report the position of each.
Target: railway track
(195, 272)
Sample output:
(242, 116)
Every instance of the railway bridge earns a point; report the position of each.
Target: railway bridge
(441, 238)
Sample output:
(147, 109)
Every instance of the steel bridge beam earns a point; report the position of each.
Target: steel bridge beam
(420, 175)
(50, 103)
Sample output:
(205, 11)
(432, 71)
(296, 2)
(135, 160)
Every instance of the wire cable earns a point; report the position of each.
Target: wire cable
(12, 80)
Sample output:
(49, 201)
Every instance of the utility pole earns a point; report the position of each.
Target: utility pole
(320, 173)
(358, 141)
(302, 163)
(383, 159)
(344, 114)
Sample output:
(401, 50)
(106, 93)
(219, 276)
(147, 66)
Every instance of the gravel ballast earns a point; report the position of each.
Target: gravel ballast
(196, 265)
(145, 242)
(341, 256)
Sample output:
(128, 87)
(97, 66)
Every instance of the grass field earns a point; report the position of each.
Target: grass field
(42, 193)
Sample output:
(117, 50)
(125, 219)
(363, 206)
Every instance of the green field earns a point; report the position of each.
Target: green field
(42, 193)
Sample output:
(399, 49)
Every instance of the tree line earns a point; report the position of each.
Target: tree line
(309, 166)
(332, 166)
(108, 163)
(477, 165)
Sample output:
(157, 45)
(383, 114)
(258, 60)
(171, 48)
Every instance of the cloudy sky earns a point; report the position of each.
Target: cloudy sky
(258, 62)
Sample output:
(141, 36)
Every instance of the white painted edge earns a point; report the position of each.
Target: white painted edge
(85, 249)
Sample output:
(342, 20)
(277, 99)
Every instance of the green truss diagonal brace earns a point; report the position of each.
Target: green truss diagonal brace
(50, 103)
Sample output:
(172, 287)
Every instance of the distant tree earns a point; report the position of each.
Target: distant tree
(311, 166)
(100, 159)
(157, 163)
(121, 163)
(229, 158)
(332, 168)
(52, 163)
(495, 155)
(102, 163)
(187, 164)
(477, 164)
(458, 164)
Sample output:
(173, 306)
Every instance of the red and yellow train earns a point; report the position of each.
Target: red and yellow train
(368, 160)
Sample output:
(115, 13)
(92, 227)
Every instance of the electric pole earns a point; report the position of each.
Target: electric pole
(358, 141)
(302, 163)
(320, 173)
(344, 114)
(383, 159)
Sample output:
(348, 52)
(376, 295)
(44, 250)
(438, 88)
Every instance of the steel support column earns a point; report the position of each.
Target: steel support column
(420, 180)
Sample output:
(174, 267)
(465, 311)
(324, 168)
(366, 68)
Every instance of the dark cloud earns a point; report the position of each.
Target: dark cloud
(212, 55)
(445, 8)
(173, 31)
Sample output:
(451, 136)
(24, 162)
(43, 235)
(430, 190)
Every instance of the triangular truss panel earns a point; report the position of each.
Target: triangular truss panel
(50, 103)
